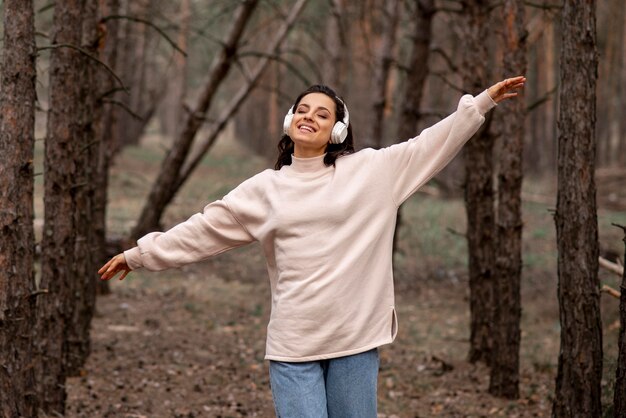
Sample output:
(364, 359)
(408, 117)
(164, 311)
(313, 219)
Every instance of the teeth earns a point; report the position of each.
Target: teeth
(306, 128)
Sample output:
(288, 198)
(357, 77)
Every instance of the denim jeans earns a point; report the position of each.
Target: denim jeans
(343, 387)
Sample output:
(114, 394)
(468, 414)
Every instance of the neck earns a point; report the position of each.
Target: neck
(304, 152)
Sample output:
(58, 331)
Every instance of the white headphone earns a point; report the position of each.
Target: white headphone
(340, 129)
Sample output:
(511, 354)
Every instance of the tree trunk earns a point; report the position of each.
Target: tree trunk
(504, 379)
(239, 97)
(619, 396)
(580, 359)
(160, 194)
(61, 172)
(84, 270)
(385, 59)
(337, 47)
(479, 193)
(133, 69)
(17, 280)
(105, 128)
(172, 106)
(424, 11)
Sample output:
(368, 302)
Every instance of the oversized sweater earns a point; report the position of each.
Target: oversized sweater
(327, 235)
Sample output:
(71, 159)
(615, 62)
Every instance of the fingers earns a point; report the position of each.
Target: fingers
(113, 266)
(124, 274)
(106, 266)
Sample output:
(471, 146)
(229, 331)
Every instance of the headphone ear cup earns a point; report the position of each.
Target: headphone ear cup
(287, 121)
(339, 133)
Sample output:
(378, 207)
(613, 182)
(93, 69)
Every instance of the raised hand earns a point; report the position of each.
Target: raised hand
(506, 89)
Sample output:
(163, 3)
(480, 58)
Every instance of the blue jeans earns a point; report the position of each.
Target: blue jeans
(343, 387)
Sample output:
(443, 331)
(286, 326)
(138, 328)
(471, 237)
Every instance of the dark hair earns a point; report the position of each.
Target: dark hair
(333, 151)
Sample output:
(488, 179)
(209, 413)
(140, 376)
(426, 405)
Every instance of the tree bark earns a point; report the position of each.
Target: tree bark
(17, 241)
(161, 190)
(336, 46)
(172, 108)
(580, 359)
(61, 172)
(84, 270)
(424, 11)
(504, 378)
(384, 60)
(418, 69)
(479, 193)
(105, 128)
(619, 396)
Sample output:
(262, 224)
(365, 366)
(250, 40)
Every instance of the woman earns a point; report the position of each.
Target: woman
(325, 218)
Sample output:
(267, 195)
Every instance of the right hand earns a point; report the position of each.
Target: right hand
(114, 266)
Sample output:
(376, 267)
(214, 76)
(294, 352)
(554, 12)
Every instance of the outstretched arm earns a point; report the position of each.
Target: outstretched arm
(412, 163)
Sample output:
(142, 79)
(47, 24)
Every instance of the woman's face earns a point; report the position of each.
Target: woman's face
(312, 124)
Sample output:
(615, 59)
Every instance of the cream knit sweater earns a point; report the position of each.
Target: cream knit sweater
(327, 236)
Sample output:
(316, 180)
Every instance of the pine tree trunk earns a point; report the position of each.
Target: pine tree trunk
(382, 70)
(61, 187)
(105, 128)
(424, 11)
(337, 47)
(619, 396)
(17, 280)
(161, 192)
(580, 359)
(479, 193)
(172, 106)
(504, 379)
(84, 269)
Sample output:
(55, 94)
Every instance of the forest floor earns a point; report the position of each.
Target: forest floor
(190, 342)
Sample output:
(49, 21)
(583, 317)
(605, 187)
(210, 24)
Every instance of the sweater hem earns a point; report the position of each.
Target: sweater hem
(330, 355)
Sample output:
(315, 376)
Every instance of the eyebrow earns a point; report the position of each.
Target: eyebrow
(320, 108)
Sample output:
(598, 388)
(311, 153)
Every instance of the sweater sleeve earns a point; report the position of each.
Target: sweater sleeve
(412, 163)
(205, 234)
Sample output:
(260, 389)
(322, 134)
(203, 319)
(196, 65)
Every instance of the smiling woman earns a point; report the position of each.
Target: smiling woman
(312, 125)
(325, 218)
(311, 107)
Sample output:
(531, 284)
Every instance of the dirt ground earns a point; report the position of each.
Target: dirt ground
(190, 342)
(192, 346)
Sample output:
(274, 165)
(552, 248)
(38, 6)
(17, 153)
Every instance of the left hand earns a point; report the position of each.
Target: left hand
(505, 89)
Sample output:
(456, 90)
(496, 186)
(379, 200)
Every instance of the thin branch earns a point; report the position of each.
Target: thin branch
(541, 100)
(82, 51)
(446, 58)
(148, 23)
(608, 289)
(610, 266)
(455, 232)
(45, 7)
(123, 106)
(447, 82)
(543, 6)
(279, 59)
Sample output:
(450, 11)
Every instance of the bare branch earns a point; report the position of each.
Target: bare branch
(541, 100)
(274, 57)
(611, 266)
(543, 5)
(608, 289)
(123, 106)
(446, 58)
(148, 23)
(82, 51)
(447, 82)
